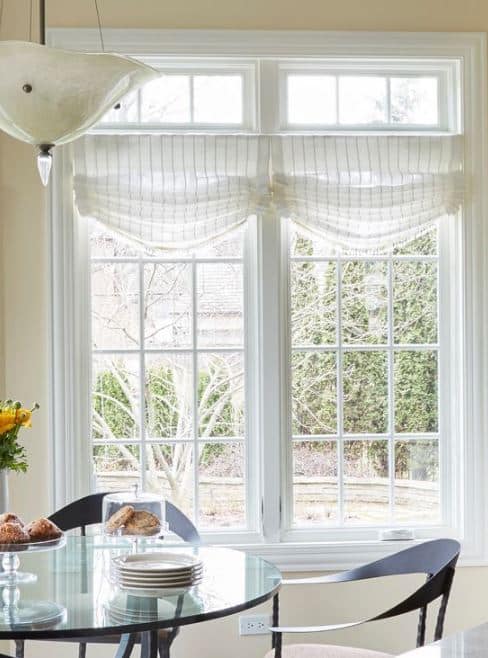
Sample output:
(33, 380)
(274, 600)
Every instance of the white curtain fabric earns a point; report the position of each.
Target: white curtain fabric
(367, 193)
(363, 193)
(171, 191)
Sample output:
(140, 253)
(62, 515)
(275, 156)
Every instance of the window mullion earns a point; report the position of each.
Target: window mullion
(274, 359)
(142, 377)
(340, 398)
(391, 393)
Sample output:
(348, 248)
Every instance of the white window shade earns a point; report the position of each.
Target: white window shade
(366, 193)
(171, 191)
(359, 192)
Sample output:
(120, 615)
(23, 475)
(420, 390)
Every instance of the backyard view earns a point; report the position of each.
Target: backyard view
(168, 380)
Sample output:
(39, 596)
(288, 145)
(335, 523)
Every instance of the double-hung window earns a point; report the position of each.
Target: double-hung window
(294, 376)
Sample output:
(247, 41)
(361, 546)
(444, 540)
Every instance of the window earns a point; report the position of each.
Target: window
(364, 385)
(212, 97)
(277, 390)
(168, 376)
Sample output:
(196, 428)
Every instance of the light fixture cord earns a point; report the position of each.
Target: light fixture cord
(30, 20)
(1, 14)
(99, 26)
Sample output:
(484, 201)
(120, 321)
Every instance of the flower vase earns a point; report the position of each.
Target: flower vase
(4, 503)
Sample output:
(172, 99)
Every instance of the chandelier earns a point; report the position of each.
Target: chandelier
(50, 96)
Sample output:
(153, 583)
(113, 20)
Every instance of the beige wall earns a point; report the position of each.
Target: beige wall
(24, 292)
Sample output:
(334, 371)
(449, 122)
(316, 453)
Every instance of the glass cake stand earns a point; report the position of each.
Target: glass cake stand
(14, 612)
(11, 562)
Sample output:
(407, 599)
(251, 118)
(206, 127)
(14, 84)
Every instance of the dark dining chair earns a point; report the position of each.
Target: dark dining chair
(436, 559)
(87, 511)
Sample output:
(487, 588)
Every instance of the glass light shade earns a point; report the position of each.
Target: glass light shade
(50, 96)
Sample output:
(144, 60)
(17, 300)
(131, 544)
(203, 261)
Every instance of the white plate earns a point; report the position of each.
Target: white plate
(157, 583)
(158, 574)
(156, 591)
(157, 562)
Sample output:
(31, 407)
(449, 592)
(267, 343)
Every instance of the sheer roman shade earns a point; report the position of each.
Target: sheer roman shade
(366, 193)
(171, 191)
(177, 191)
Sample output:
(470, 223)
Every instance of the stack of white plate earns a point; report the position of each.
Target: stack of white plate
(156, 570)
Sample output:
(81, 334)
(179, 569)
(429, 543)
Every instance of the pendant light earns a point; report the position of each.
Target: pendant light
(50, 96)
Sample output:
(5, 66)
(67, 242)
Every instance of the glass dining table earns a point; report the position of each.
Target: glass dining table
(71, 594)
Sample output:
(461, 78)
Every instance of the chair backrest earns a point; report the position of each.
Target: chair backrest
(88, 511)
(436, 559)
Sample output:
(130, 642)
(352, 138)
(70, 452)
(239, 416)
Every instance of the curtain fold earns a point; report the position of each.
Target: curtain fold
(363, 193)
(366, 193)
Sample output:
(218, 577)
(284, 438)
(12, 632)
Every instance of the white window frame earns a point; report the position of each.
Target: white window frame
(68, 284)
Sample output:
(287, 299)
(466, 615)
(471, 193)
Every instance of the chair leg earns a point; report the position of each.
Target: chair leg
(164, 646)
(82, 650)
(126, 645)
(19, 648)
(149, 644)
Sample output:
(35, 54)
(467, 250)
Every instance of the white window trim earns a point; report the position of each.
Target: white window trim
(70, 401)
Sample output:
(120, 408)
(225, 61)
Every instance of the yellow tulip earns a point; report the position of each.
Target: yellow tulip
(7, 420)
(23, 417)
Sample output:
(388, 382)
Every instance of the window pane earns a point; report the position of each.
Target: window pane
(365, 392)
(220, 305)
(415, 302)
(425, 245)
(169, 472)
(366, 483)
(364, 302)
(166, 100)
(416, 391)
(167, 305)
(108, 244)
(222, 485)
(311, 99)
(314, 396)
(414, 101)
(217, 99)
(313, 303)
(169, 396)
(417, 481)
(314, 482)
(115, 305)
(117, 468)
(362, 99)
(221, 395)
(115, 397)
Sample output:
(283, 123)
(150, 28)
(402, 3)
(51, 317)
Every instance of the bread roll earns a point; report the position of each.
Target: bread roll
(10, 517)
(142, 523)
(119, 518)
(43, 530)
(13, 533)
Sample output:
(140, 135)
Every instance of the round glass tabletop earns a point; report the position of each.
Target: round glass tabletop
(73, 595)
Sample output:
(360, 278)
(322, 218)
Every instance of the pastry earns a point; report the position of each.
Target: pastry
(119, 518)
(142, 523)
(43, 530)
(10, 517)
(13, 533)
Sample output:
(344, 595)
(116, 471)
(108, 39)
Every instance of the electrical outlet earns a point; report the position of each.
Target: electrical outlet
(254, 625)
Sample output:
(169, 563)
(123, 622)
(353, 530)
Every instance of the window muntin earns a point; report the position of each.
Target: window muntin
(364, 371)
(168, 376)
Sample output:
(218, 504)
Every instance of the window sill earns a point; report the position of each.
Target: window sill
(328, 556)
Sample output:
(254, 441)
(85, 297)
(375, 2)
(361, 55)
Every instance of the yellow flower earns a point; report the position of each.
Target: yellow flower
(23, 417)
(7, 420)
